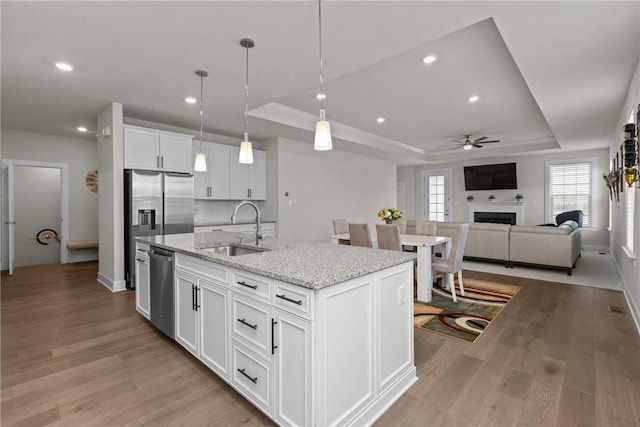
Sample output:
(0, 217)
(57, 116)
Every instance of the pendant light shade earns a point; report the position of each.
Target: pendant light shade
(322, 141)
(201, 159)
(246, 151)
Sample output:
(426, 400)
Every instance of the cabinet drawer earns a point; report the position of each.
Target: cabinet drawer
(251, 323)
(203, 268)
(251, 375)
(251, 284)
(142, 249)
(294, 299)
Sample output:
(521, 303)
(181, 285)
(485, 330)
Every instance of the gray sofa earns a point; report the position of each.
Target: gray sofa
(557, 247)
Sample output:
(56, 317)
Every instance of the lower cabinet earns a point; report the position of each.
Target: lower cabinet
(142, 274)
(334, 356)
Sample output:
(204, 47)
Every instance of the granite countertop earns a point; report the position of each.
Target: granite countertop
(239, 222)
(312, 265)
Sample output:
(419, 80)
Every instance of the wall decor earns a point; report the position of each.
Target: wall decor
(91, 180)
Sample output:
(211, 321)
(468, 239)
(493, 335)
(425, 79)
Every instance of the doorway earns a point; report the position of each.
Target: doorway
(23, 182)
(436, 195)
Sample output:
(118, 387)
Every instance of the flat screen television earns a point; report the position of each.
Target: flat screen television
(490, 177)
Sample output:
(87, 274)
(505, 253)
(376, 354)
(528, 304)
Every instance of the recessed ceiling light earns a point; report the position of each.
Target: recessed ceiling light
(82, 129)
(430, 59)
(380, 119)
(190, 100)
(321, 96)
(474, 98)
(64, 66)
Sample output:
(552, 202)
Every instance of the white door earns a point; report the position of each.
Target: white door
(436, 195)
(11, 218)
(186, 315)
(214, 348)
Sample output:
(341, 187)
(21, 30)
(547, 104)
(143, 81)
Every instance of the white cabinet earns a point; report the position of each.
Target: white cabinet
(248, 181)
(213, 184)
(186, 316)
(293, 368)
(152, 149)
(202, 311)
(142, 279)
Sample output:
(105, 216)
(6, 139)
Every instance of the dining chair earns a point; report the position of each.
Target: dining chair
(360, 235)
(453, 263)
(422, 227)
(388, 237)
(340, 226)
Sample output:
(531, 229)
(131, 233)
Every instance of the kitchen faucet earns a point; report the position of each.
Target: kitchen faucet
(258, 226)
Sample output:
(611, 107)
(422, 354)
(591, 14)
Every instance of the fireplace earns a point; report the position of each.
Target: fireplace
(498, 212)
(495, 217)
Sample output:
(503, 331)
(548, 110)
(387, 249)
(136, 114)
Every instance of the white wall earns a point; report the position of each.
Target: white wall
(111, 198)
(36, 207)
(627, 266)
(406, 174)
(80, 155)
(531, 179)
(324, 185)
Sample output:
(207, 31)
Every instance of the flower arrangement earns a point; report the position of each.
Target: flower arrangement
(389, 214)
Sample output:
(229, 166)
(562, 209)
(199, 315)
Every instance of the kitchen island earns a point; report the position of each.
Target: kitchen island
(310, 333)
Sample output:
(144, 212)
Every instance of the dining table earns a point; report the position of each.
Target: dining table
(423, 244)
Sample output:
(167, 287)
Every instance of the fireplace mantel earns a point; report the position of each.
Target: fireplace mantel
(517, 207)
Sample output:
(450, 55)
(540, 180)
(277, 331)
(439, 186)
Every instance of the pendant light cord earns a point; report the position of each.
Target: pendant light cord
(201, 92)
(322, 95)
(246, 96)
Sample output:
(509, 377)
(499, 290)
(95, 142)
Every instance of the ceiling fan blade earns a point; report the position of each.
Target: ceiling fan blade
(482, 138)
(476, 145)
(493, 140)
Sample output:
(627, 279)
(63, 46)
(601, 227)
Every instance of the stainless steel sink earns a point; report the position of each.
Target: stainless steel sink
(233, 250)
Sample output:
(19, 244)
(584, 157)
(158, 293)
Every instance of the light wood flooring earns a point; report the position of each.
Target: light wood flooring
(75, 354)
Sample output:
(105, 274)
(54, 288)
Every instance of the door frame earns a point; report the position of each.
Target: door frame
(424, 207)
(8, 194)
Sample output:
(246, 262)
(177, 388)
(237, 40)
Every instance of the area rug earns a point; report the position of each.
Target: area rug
(470, 316)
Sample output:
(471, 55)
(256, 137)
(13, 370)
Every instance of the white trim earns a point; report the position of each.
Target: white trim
(504, 207)
(302, 120)
(448, 174)
(64, 199)
(633, 309)
(117, 286)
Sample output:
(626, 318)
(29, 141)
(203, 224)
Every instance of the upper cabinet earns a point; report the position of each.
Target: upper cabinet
(248, 181)
(152, 149)
(213, 184)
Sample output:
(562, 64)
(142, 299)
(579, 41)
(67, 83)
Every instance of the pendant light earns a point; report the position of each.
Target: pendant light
(246, 151)
(322, 141)
(201, 160)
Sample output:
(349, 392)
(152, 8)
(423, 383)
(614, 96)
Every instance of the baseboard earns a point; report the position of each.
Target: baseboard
(113, 286)
(633, 309)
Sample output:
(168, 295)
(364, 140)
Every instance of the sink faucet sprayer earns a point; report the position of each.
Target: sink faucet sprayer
(258, 226)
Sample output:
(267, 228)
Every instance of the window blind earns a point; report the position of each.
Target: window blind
(570, 185)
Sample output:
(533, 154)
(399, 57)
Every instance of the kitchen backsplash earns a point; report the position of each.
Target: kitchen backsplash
(220, 210)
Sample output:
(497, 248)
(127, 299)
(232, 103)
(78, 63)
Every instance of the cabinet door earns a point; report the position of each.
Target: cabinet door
(186, 311)
(218, 158)
(141, 149)
(258, 176)
(142, 285)
(238, 177)
(293, 367)
(214, 340)
(175, 153)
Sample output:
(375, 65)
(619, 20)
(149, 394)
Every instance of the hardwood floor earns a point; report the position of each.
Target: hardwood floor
(75, 354)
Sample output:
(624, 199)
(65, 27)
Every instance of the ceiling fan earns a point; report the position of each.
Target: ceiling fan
(468, 143)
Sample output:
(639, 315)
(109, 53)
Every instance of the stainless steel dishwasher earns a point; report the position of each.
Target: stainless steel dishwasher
(161, 289)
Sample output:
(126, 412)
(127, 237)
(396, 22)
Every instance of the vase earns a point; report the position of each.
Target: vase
(388, 221)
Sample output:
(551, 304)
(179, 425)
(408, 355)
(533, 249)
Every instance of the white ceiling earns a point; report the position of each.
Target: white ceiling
(551, 75)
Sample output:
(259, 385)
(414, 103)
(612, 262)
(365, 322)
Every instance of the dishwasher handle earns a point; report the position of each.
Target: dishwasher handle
(161, 255)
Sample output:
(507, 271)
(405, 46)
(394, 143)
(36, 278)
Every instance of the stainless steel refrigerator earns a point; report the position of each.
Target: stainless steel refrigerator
(155, 203)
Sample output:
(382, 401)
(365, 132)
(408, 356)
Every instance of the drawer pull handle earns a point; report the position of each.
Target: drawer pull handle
(244, 322)
(253, 380)
(299, 302)
(142, 250)
(247, 285)
(141, 260)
